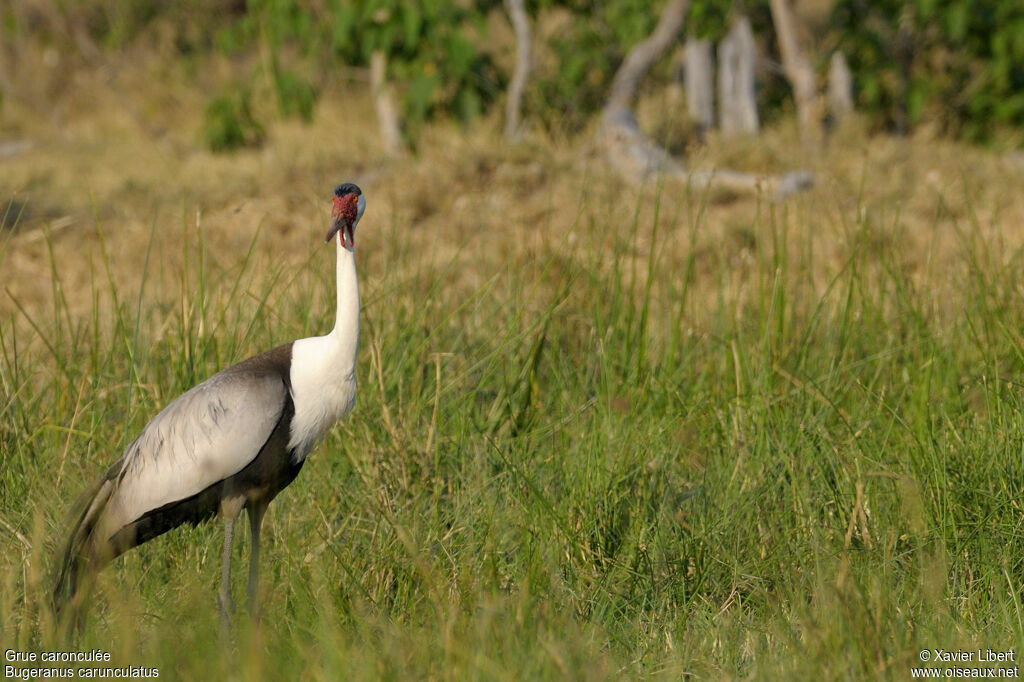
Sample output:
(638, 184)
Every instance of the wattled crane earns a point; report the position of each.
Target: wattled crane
(230, 443)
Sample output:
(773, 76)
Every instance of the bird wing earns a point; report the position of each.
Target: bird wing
(206, 435)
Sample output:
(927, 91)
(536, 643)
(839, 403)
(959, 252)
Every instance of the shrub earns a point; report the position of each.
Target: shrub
(230, 124)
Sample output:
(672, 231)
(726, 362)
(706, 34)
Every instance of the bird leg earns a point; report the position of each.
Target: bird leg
(224, 594)
(255, 520)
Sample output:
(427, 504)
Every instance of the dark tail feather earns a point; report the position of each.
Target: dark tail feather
(80, 556)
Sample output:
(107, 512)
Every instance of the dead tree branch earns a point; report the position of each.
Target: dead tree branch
(699, 76)
(521, 26)
(384, 103)
(640, 59)
(633, 155)
(737, 97)
(799, 71)
(840, 88)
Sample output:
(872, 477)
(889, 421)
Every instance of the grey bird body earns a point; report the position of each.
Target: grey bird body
(223, 442)
(230, 443)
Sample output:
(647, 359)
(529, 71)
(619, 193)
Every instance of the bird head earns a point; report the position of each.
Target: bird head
(348, 204)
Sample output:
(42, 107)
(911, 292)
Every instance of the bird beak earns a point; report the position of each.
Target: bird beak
(340, 223)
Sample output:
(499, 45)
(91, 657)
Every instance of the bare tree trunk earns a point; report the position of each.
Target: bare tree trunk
(737, 100)
(799, 72)
(699, 80)
(521, 25)
(634, 156)
(840, 88)
(384, 103)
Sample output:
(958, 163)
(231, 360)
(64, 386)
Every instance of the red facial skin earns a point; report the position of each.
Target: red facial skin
(343, 213)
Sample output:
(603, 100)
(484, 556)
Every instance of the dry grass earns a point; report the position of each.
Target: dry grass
(121, 149)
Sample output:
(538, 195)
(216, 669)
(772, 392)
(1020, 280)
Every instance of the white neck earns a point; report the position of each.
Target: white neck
(323, 367)
(346, 321)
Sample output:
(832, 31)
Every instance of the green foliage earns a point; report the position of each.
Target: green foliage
(433, 50)
(589, 50)
(957, 63)
(709, 18)
(230, 123)
(296, 96)
(276, 24)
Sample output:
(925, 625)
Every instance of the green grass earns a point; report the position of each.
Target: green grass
(604, 462)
